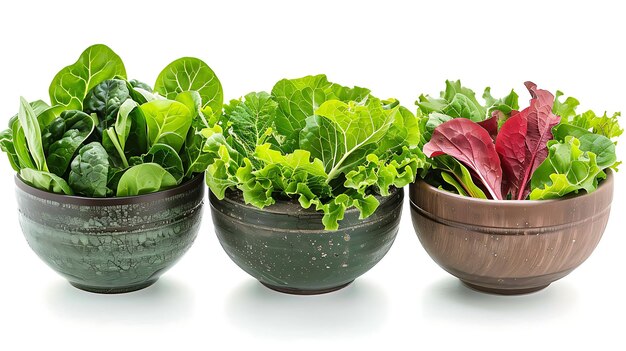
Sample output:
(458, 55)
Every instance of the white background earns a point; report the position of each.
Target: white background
(398, 49)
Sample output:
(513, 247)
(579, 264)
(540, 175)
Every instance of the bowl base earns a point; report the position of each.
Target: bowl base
(114, 290)
(295, 291)
(497, 291)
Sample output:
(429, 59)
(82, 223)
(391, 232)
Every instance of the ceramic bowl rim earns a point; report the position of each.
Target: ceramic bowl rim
(450, 196)
(109, 201)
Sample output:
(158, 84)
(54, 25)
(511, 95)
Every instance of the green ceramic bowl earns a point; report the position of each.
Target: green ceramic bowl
(111, 245)
(287, 249)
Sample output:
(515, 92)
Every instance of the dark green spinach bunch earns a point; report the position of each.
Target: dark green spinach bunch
(104, 135)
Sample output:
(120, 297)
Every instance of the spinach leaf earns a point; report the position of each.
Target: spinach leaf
(20, 145)
(52, 132)
(78, 127)
(111, 144)
(141, 85)
(113, 178)
(187, 74)
(136, 139)
(89, 171)
(6, 145)
(165, 156)
(193, 101)
(32, 132)
(194, 159)
(95, 65)
(143, 179)
(105, 100)
(45, 181)
(168, 122)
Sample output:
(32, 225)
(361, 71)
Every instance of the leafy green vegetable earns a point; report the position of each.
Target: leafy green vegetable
(105, 134)
(6, 145)
(30, 126)
(601, 125)
(352, 135)
(134, 83)
(298, 99)
(114, 138)
(21, 145)
(45, 181)
(79, 127)
(191, 74)
(52, 132)
(600, 145)
(581, 146)
(330, 146)
(143, 179)
(165, 156)
(95, 65)
(456, 101)
(567, 169)
(168, 122)
(89, 171)
(457, 175)
(105, 100)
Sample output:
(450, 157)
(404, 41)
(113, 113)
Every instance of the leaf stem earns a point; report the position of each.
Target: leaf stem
(116, 143)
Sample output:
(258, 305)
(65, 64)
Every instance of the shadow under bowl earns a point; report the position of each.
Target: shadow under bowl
(286, 248)
(507, 246)
(111, 245)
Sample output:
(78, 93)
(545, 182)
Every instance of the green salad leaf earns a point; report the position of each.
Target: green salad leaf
(191, 74)
(145, 178)
(95, 65)
(104, 135)
(330, 146)
(45, 181)
(89, 171)
(567, 169)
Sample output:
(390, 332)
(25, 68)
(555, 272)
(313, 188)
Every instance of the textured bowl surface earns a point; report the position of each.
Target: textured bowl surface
(286, 248)
(111, 245)
(509, 247)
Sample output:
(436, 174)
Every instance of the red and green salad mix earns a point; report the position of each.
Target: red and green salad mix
(105, 135)
(496, 151)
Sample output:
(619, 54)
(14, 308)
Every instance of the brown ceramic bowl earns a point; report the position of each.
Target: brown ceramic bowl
(509, 247)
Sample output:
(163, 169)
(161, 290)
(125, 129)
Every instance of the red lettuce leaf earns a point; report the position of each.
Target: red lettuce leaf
(491, 124)
(522, 141)
(470, 144)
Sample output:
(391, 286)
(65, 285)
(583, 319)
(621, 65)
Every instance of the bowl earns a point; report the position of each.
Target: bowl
(508, 246)
(111, 245)
(286, 248)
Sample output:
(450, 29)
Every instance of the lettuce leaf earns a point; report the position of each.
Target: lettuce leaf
(471, 145)
(604, 125)
(330, 146)
(521, 142)
(567, 169)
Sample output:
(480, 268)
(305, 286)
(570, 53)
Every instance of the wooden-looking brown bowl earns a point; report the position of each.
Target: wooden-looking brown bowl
(507, 246)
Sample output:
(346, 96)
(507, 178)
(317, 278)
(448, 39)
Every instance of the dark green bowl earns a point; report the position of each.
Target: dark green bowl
(111, 245)
(287, 249)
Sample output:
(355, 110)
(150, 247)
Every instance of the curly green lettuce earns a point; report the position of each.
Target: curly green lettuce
(329, 146)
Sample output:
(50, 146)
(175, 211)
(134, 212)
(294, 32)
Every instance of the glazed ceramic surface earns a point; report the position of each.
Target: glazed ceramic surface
(509, 247)
(111, 245)
(286, 247)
